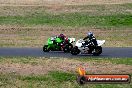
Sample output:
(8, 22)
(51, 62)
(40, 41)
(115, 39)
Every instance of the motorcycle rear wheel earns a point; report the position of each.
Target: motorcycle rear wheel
(67, 48)
(98, 51)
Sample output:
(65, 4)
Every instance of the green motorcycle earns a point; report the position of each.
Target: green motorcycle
(57, 44)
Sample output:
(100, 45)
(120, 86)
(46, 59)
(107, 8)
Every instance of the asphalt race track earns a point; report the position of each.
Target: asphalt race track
(37, 52)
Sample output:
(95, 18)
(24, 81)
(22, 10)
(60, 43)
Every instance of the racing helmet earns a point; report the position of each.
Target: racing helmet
(90, 34)
(62, 36)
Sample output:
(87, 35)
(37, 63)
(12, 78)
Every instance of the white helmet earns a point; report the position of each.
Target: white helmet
(90, 34)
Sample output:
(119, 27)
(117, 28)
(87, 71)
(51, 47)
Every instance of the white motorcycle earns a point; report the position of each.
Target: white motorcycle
(87, 49)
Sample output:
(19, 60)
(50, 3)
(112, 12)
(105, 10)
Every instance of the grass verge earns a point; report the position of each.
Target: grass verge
(42, 60)
(11, 36)
(31, 72)
(51, 80)
(126, 61)
(99, 16)
(72, 20)
(109, 22)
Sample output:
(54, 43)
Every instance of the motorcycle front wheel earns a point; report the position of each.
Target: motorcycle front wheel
(98, 51)
(45, 48)
(75, 51)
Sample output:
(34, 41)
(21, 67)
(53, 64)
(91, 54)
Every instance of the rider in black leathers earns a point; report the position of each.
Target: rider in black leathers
(91, 40)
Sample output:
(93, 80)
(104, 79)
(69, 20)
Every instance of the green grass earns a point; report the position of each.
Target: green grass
(23, 60)
(86, 15)
(112, 23)
(53, 75)
(39, 60)
(102, 16)
(53, 79)
(126, 61)
(70, 19)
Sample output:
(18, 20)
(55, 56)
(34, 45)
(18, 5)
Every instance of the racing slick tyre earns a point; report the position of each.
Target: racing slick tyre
(98, 51)
(45, 48)
(67, 48)
(75, 51)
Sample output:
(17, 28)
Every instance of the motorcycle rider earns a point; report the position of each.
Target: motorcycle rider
(91, 39)
(62, 37)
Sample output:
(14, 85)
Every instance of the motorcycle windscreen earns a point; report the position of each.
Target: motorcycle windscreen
(100, 42)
